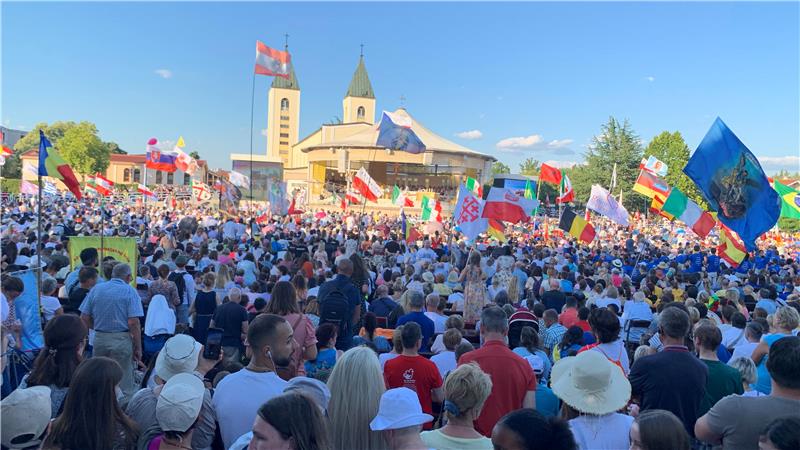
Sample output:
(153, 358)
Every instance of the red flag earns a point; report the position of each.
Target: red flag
(262, 218)
(549, 174)
(272, 62)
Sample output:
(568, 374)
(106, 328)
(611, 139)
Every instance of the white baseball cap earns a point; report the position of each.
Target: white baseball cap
(25, 415)
(399, 408)
(179, 402)
(179, 355)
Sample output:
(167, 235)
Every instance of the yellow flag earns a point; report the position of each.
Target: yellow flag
(180, 143)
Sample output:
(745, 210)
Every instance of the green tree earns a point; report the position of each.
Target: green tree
(54, 132)
(77, 143)
(671, 149)
(194, 154)
(617, 144)
(113, 148)
(529, 167)
(498, 168)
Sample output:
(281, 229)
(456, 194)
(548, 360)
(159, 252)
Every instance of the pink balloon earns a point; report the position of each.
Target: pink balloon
(152, 141)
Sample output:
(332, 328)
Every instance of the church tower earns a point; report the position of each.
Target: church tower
(359, 102)
(283, 118)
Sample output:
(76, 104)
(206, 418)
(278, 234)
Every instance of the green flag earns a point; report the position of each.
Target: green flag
(790, 200)
(474, 186)
(529, 192)
(395, 194)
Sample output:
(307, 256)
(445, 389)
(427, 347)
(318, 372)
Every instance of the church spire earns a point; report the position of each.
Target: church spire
(360, 85)
(291, 82)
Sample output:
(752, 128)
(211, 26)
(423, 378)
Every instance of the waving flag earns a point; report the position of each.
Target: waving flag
(678, 204)
(790, 200)
(734, 184)
(431, 210)
(51, 164)
(410, 233)
(474, 186)
(184, 162)
(238, 179)
(508, 205)
(576, 226)
(156, 159)
(657, 205)
(201, 192)
(400, 198)
(731, 249)
(103, 185)
(26, 187)
(468, 214)
(497, 230)
(5, 152)
(364, 184)
(549, 174)
(394, 132)
(352, 197)
(272, 62)
(602, 202)
(649, 185)
(49, 188)
(146, 192)
(568, 194)
(654, 166)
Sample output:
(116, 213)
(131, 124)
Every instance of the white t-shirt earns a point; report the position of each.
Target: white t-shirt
(457, 299)
(438, 321)
(383, 357)
(445, 362)
(608, 432)
(49, 306)
(732, 336)
(238, 397)
(744, 350)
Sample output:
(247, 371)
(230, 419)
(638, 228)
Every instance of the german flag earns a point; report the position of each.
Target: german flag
(497, 230)
(649, 185)
(576, 226)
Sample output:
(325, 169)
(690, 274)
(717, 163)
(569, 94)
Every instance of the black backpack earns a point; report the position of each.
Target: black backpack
(335, 309)
(180, 282)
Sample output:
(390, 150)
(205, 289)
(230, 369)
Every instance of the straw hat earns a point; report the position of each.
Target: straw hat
(590, 383)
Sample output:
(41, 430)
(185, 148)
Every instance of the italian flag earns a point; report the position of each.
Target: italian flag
(431, 209)
(567, 193)
(364, 184)
(688, 212)
(400, 198)
(103, 185)
(474, 187)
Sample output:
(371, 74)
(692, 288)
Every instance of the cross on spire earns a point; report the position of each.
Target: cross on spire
(402, 101)
(362, 49)
(286, 41)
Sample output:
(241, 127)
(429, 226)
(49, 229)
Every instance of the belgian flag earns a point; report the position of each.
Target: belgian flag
(576, 226)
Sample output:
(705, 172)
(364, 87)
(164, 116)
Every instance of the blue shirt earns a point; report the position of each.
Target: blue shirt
(424, 322)
(546, 402)
(713, 263)
(344, 340)
(111, 304)
(696, 262)
(771, 306)
(72, 278)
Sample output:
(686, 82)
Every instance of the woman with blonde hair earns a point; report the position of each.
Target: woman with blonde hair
(465, 391)
(785, 320)
(356, 386)
(224, 278)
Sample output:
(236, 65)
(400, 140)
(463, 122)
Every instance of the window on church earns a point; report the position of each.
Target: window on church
(284, 125)
(284, 143)
(170, 178)
(126, 175)
(285, 135)
(360, 113)
(187, 179)
(159, 177)
(284, 117)
(284, 104)
(137, 175)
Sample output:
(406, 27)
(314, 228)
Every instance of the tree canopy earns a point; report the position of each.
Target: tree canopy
(498, 168)
(671, 149)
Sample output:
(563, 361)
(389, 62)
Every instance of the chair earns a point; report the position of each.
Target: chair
(382, 322)
(631, 325)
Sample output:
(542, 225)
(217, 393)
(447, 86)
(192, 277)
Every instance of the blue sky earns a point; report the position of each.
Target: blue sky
(520, 79)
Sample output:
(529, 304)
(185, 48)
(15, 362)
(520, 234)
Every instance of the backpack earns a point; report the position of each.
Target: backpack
(335, 309)
(180, 282)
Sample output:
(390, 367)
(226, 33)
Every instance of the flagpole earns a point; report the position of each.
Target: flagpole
(102, 228)
(144, 204)
(39, 236)
(252, 108)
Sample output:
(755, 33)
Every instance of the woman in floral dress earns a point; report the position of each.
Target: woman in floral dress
(474, 288)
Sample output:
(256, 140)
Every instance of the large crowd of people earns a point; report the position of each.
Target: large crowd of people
(328, 330)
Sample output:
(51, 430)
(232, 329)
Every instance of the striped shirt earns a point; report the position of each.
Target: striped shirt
(552, 335)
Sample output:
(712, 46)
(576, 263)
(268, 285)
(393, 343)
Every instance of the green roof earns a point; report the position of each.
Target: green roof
(360, 85)
(287, 83)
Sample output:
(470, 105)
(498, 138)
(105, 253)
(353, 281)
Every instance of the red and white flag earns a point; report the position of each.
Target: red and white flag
(508, 205)
(352, 197)
(567, 193)
(103, 185)
(364, 184)
(272, 62)
(146, 192)
(202, 192)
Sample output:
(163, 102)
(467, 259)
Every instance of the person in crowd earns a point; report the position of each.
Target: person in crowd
(25, 417)
(593, 389)
(435, 311)
(606, 328)
(284, 304)
(569, 317)
(672, 379)
(527, 429)
(321, 366)
(87, 279)
(554, 298)
(752, 337)
(737, 421)
(159, 325)
(239, 395)
(383, 304)
(89, 258)
(446, 361)
(781, 434)
(497, 360)
(55, 366)
(413, 371)
(415, 302)
(203, 308)
(658, 429)
(368, 336)
(177, 410)
(290, 421)
(400, 419)
(231, 317)
(397, 347)
(340, 303)
(636, 309)
(722, 380)
(454, 321)
(552, 332)
(747, 370)
(465, 391)
(163, 286)
(356, 386)
(472, 278)
(571, 343)
(785, 321)
(187, 290)
(94, 383)
(113, 310)
(50, 305)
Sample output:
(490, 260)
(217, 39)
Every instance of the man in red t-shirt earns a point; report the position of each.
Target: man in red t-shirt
(415, 372)
(517, 386)
(569, 317)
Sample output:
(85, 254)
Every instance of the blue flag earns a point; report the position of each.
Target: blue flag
(734, 184)
(395, 133)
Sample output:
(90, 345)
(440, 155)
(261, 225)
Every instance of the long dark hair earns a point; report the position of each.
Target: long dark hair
(283, 300)
(78, 428)
(360, 272)
(295, 416)
(573, 336)
(370, 324)
(661, 430)
(59, 358)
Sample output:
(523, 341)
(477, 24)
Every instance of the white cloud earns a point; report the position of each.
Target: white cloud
(560, 164)
(650, 78)
(563, 151)
(775, 163)
(559, 143)
(520, 142)
(471, 134)
(263, 131)
(163, 73)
